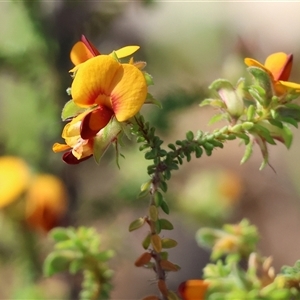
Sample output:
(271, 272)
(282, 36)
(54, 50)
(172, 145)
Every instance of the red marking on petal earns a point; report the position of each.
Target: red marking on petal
(286, 70)
(90, 46)
(95, 121)
(70, 159)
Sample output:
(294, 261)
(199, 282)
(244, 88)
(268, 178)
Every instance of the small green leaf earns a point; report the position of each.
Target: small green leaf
(276, 123)
(136, 224)
(216, 118)
(190, 136)
(163, 186)
(147, 241)
(168, 243)
(158, 198)
(164, 206)
(71, 110)
(59, 234)
(290, 120)
(102, 141)
(165, 224)
(248, 152)
(198, 152)
(58, 261)
(151, 100)
(251, 112)
(149, 79)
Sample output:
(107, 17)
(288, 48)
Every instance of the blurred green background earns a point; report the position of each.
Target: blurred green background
(186, 45)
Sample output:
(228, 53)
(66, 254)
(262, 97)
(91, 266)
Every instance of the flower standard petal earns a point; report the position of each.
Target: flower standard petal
(92, 81)
(280, 65)
(129, 94)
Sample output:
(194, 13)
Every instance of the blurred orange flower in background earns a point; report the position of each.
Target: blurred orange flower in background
(44, 196)
(46, 202)
(194, 289)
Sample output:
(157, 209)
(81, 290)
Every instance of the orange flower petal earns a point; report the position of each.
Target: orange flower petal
(95, 121)
(194, 289)
(254, 63)
(57, 147)
(80, 53)
(129, 94)
(280, 65)
(92, 81)
(103, 81)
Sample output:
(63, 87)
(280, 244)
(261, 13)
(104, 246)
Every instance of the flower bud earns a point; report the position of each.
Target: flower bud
(230, 96)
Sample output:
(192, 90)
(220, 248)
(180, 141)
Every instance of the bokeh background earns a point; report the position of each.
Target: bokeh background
(186, 45)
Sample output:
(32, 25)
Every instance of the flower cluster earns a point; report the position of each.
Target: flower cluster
(106, 93)
(259, 112)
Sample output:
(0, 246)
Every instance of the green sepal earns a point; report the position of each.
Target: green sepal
(136, 224)
(148, 78)
(151, 100)
(103, 140)
(262, 78)
(71, 110)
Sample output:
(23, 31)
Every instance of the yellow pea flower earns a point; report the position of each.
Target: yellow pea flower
(194, 289)
(78, 148)
(110, 89)
(278, 66)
